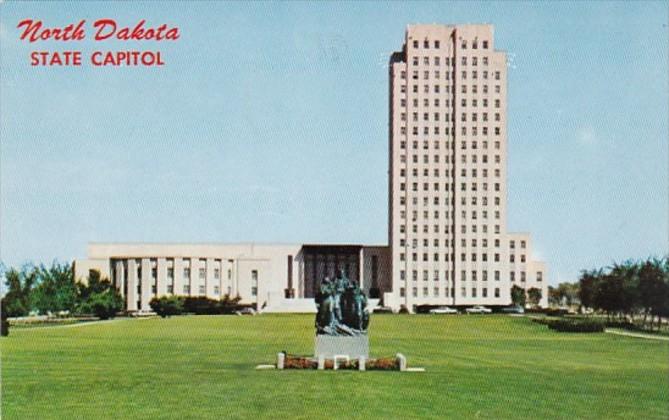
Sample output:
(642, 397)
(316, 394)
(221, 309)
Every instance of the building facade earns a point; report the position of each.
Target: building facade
(447, 177)
(274, 277)
(447, 236)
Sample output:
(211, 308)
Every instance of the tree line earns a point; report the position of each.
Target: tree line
(632, 291)
(41, 289)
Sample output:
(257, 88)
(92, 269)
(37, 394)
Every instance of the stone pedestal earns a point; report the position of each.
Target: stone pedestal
(328, 346)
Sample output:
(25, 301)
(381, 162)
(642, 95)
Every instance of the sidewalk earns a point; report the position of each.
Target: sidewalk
(637, 335)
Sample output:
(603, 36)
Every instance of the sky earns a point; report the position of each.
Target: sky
(268, 123)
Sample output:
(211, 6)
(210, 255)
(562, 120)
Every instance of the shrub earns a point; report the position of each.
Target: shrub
(201, 305)
(403, 309)
(105, 304)
(576, 325)
(167, 305)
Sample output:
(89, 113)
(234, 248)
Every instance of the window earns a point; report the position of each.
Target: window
(217, 290)
(540, 276)
(201, 290)
(512, 275)
(415, 44)
(414, 292)
(436, 45)
(202, 273)
(186, 274)
(485, 45)
(496, 292)
(496, 275)
(473, 292)
(154, 289)
(170, 273)
(522, 276)
(485, 292)
(402, 292)
(186, 289)
(254, 282)
(170, 289)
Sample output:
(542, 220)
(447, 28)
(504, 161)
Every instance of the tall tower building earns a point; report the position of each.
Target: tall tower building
(447, 182)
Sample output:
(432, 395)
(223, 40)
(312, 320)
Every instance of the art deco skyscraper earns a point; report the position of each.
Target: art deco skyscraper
(447, 183)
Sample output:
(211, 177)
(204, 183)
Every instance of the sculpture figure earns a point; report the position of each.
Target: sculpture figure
(341, 307)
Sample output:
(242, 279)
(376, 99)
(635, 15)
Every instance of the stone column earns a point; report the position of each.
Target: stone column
(178, 274)
(119, 279)
(162, 277)
(146, 284)
(132, 285)
(209, 279)
(194, 275)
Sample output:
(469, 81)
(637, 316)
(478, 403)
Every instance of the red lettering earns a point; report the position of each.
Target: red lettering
(63, 58)
(33, 31)
(172, 34)
(102, 25)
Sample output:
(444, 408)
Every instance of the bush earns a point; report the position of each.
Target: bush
(576, 325)
(403, 309)
(548, 311)
(204, 306)
(167, 305)
(200, 305)
(105, 304)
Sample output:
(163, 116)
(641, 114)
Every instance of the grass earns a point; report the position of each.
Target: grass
(203, 367)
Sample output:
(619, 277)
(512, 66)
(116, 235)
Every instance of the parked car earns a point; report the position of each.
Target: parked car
(514, 310)
(478, 310)
(382, 310)
(443, 310)
(246, 311)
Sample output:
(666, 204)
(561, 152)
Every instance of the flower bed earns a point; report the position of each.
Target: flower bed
(302, 362)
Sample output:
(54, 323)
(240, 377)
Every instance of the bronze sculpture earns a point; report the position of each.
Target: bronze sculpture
(341, 307)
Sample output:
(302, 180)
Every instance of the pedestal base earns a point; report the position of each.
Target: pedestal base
(328, 346)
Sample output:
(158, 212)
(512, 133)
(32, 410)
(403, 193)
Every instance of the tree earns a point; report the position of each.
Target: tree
(20, 285)
(167, 305)
(99, 297)
(626, 274)
(534, 296)
(4, 323)
(587, 287)
(554, 296)
(518, 296)
(56, 289)
(609, 294)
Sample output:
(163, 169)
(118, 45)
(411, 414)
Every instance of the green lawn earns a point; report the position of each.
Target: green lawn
(203, 367)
